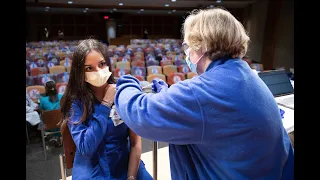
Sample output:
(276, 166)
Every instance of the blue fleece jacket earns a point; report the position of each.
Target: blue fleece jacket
(223, 124)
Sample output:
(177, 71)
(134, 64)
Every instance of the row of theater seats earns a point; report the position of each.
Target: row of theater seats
(42, 78)
(151, 41)
(47, 64)
(59, 74)
(52, 70)
(138, 67)
(44, 63)
(35, 91)
(169, 73)
(140, 63)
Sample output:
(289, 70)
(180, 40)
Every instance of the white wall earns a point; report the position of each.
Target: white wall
(284, 50)
(255, 25)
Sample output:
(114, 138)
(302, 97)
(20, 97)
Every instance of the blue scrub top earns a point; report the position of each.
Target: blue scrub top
(102, 148)
(45, 103)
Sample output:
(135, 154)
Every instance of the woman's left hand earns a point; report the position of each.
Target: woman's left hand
(109, 94)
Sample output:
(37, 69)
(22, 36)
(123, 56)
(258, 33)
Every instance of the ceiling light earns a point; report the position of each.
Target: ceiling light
(218, 1)
(173, 0)
(84, 11)
(114, 9)
(70, 2)
(141, 9)
(120, 4)
(47, 7)
(166, 5)
(174, 10)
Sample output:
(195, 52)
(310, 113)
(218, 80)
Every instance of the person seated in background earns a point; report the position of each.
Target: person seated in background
(159, 58)
(32, 115)
(49, 102)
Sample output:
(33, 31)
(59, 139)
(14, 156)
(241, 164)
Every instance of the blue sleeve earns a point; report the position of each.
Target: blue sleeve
(173, 115)
(88, 137)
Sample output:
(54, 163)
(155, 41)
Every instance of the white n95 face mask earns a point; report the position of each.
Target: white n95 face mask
(98, 78)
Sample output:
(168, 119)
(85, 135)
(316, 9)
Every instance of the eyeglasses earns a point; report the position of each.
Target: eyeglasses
(186, 48)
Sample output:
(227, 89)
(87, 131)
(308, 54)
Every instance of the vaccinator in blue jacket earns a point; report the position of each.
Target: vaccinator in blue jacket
(223, 124)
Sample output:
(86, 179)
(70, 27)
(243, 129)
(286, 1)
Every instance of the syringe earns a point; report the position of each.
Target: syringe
(148, 86)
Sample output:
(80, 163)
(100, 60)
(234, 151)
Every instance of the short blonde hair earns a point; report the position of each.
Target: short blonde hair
(216, 32)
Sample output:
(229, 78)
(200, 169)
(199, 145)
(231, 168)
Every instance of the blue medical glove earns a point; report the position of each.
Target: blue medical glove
(281, 112)
(158, 85)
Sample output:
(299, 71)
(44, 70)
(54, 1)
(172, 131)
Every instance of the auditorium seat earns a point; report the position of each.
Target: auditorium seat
(168, 69)
(175, 77)
(124, 65)
(118, 72)
(154, 70)
(183, 69)
(140, 71)
(38, 70)
(57, 69)
(153, 76)
(140, 78)
(34, 92)
(138, 63)
(190, 75)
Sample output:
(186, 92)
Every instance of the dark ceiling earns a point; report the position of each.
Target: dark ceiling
(129, 6)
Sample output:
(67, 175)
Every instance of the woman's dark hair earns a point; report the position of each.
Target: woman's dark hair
(51, 91)
(78, 89)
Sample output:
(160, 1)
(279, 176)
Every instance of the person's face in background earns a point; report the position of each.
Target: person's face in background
(45, 29)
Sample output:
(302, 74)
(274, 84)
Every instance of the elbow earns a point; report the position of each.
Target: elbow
(86, 151)
(136, 149)
(136, 146)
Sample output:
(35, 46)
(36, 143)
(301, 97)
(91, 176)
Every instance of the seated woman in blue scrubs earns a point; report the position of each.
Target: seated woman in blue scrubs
(223, 124)
(105, 147)
(51, 101)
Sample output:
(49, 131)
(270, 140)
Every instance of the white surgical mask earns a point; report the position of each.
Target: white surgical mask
(98, 78)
